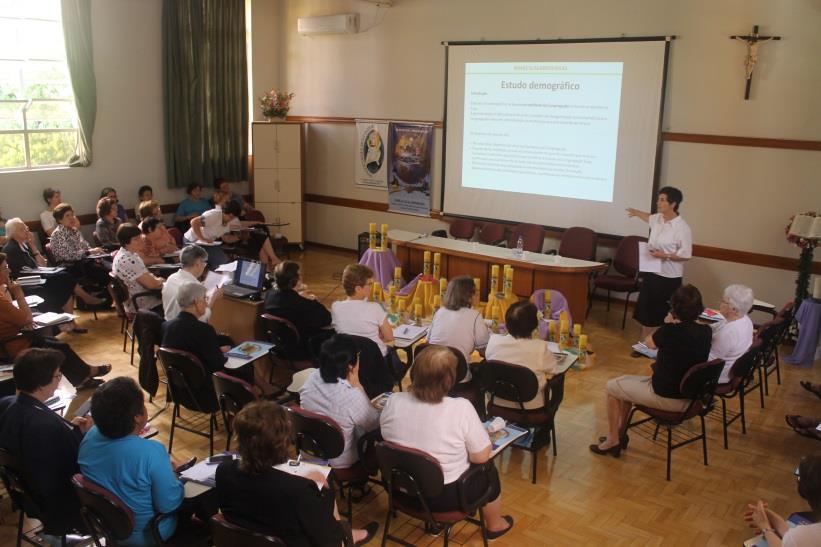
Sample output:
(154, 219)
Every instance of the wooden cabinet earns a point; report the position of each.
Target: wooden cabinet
(279, 176)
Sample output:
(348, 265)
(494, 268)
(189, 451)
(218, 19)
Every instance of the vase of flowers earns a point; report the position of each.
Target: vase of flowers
(807, 246)
(275, 104)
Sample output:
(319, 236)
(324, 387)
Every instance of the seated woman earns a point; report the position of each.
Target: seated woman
(59, 287)
(157, 242)
(519, 348)
(53, 198)
(147, 209)
(456, 323)
(774, 527)
(448, 429)
(334, 391)
(681, 343)
(145, 193)
(253, 494)
(17, 319)
(192, 206)
(136, 470)
(733, 336)
(111, 193)
(130, 268)
(211, 226)
(357, 315)
(70, 249)
(107, 223)
(3, 234)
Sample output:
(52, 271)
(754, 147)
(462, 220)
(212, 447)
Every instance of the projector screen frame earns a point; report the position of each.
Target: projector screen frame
(659, 143)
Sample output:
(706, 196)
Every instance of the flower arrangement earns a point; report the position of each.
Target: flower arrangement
(799, 241)
(275, 104)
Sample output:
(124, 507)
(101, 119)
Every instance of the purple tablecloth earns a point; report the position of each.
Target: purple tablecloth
(382, 263)
(558, 304)
(809, 322)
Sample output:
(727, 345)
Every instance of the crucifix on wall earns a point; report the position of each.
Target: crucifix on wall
(753, 41)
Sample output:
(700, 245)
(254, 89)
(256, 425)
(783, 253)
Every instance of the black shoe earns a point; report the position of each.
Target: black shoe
(89, 383)
(624, 441)
(496, 535)
(614, 451)
(634, 354)
(371, 528)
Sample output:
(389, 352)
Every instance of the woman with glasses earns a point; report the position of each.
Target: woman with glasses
(357, 315)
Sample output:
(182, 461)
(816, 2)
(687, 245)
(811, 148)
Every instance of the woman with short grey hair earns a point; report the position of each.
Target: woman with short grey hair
(734, 335)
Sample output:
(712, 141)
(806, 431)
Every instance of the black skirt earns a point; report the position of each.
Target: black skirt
(654, 299)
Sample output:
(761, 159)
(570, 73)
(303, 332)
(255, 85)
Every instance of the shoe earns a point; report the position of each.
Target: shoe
(624, 441)
(102, 370)
(635, 355)
(90, 383)
(371, 528)
(614, 451)
(78, 330)
(92, 300)
(809, 387)
(496, 535)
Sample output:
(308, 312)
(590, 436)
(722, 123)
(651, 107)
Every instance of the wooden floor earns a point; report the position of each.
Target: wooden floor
(580, 498)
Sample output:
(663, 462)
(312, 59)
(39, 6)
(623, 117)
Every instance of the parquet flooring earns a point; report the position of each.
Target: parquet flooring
(580, 498)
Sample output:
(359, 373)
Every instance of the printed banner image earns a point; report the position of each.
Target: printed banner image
(411, 146)
(371, 163)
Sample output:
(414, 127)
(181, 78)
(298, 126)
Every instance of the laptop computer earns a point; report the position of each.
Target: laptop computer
(248, 279)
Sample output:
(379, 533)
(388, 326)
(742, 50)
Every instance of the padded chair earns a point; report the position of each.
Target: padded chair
(147, 329)
(742, 381)
(492, 233)
(121, 299)
(176, 233)
(626, 280)
(519, 384)
(287, 342)
(532, 237)
(699, 385)
(378, 373)
(321, 437)
(470, 390)
(254, 215)
(412, 477)
(462, 228)
(232, 393)
(227, 534)
(577, 242)
(771, 335)
(773, 360)
(189, 387)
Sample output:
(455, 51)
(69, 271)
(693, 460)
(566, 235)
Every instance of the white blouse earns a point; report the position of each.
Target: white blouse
(671, 237)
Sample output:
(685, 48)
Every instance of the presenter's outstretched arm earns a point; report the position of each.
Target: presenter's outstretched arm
(636, 213)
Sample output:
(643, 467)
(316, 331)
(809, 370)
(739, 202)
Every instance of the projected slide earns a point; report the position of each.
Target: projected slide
(544, 128)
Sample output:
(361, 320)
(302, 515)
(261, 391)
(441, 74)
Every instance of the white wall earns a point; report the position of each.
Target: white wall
(735, 197)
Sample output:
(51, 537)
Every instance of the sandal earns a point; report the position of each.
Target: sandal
(90, 383)
(815, 389)
(797, 422)
(810, 432)
(370, 531)
(102, 370)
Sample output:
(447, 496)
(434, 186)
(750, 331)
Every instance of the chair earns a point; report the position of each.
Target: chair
(771, 335)
(23, 498)
(462, 228)
(232, 394)
(147, 329)
(532, 237)
(49, 254)
(189, 387)
(287, 344)
(626, 263)
(121, 299)
(378, 373)
(492, 233)
(176, 233)
(412, 477)
(577, 242)
(699, 385)
(226, 534)
(742, 378)
(470, 390)
(519, 384)
(321, 437)
(254, 215)
(774, 361)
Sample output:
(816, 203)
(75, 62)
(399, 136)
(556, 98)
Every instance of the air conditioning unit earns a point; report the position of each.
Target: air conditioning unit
(344, 23)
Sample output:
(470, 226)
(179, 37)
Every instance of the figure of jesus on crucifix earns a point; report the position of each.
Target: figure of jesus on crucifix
(752, 41)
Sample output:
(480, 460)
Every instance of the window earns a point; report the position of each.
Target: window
(38, 119)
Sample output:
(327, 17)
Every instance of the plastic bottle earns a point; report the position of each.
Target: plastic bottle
(520, 246)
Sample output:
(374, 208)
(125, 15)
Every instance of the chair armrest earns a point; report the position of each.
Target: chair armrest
(551, 251)
(474, 473)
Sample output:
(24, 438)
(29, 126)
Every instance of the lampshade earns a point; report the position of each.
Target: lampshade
(806, 226)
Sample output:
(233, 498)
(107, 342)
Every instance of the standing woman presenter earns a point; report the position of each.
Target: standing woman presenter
(672, 242)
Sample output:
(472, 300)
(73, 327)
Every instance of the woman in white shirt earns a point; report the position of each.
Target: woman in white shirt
(446, 428)
(210, 226)
(519, 348)
(774, 527)
(129, 267)
(733, 336)
(456, 323)
(357, 315)
(53, 198)
(672, 242)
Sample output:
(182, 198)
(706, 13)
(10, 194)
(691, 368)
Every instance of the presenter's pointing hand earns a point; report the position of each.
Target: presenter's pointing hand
(631, 212)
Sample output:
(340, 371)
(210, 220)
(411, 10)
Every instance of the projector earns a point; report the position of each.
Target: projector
(344, 23)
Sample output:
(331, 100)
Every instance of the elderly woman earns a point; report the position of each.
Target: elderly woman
(69, 249)
(130, 268)
(15, 317)
(733, 336)
(53, 198)
(111, 193)
(520, 348)
(681, 343)
(254, 494)
(456, 323)
(157, 242)
(446, 428)
(107, 223)
(672, 242)
(192, 206)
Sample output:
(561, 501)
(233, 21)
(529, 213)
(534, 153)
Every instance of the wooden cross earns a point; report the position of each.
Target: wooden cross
(753, 40)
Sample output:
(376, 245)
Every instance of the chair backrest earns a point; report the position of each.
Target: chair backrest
(186, 375)
(409, 471)
(461, 362)
(227, 534)
(232, 393)
(49, 254)
(105, 515)
(254, 215)
(120, 292)
(176, 234)
(374, 375)
(699, 382)
(626, 259)
(96, 239)
(148, 331)
(578, 242)
(511, 382)
(492, 232)
(462, 228)
(315, 434)
(532, 237)
(787, 311)
(16, 480)
(744, 365)
(283, 334)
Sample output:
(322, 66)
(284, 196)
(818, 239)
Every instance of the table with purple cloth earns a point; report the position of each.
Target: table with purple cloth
(809, 331)
(382, 263)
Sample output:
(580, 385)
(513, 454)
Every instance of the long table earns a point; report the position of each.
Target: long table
(536, 271)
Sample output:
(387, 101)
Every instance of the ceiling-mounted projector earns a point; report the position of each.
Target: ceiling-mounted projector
(344, 23)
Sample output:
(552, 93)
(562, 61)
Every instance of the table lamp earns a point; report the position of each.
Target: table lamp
(805, 231)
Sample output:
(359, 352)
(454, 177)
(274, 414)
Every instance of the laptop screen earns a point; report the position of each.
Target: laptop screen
(249, 274)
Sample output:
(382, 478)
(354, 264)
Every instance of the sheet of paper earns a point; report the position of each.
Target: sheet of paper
(229, 267)
(409, 332)
(302, 469)
(648, 262)
(50, 318)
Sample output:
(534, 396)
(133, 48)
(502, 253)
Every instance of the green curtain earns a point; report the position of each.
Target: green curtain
(205, 91)
(80, 59)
